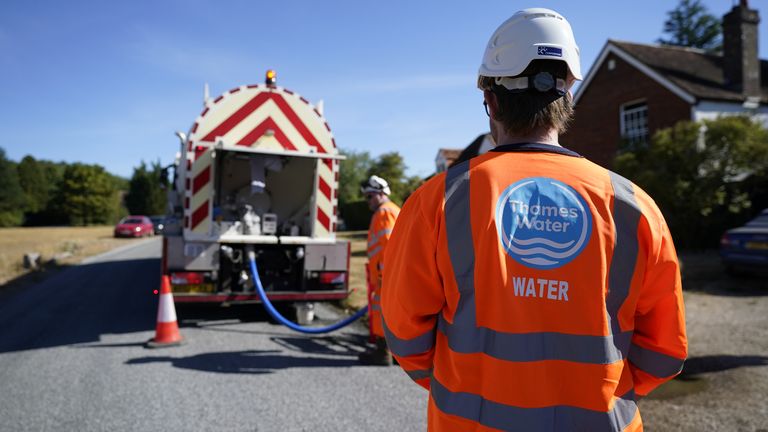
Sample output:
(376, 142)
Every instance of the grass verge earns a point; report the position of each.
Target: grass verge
(358, 287)
(57, 246)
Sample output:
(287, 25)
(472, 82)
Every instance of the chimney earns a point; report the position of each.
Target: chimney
(741, 65)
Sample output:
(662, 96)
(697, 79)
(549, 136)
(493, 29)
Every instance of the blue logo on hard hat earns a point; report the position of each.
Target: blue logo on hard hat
(542, 223)
(550, 51)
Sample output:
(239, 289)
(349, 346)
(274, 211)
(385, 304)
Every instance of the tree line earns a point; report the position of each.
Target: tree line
(356, 168)
(44, 193)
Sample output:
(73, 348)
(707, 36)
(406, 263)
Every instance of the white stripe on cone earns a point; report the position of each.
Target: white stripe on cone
(166, 312)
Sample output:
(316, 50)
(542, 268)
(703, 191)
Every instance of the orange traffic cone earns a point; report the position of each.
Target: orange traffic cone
(167, 332)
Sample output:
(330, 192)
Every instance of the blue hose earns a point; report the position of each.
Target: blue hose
(293, 326)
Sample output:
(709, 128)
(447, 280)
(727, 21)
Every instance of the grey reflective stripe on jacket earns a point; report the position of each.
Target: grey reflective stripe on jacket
(464, 336)
(626, 213)
(408, 347)
(377, 236)
(552, 418)
(374, 252)
(419, 374)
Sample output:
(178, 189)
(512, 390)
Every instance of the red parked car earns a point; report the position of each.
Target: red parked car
(134, 226)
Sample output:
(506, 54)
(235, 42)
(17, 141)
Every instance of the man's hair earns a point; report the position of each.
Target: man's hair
(523, 112)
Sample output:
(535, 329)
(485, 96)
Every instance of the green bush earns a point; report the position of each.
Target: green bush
(356, 215)
(704, 176)
(11, 195)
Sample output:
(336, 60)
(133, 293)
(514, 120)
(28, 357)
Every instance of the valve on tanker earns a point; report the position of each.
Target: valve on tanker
(228, 252)
(251, 221)
(271, 78)
(244, 280)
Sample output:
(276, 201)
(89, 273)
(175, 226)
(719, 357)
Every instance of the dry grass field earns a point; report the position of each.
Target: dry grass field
(69, 244)
(82, 242)
(358, 296)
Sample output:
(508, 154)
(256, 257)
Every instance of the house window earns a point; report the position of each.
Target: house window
(634, 123)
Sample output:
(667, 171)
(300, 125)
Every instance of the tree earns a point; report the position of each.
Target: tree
(356, 168)
(147, 190)
(702, 175)
(11, 194)
(391, 167)
(36, 184)
(38, 179)
(352, 172)
(86, 195)
(691, 25)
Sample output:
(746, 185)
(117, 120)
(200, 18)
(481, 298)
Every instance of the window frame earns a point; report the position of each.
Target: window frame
(630, 108)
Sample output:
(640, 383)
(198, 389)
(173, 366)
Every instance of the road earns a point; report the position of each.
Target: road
(72, 358)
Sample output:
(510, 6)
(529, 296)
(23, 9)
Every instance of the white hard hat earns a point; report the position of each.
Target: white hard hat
(531, 34)
(375, 184)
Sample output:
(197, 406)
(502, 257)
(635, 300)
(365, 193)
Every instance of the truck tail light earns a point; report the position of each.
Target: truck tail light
(332, 278)
(187, 278)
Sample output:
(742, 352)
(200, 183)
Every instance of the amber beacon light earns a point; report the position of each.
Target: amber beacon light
(271, 77)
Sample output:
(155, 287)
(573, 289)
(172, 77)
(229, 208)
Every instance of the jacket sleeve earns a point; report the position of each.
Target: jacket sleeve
(659, 343)
(412, 294)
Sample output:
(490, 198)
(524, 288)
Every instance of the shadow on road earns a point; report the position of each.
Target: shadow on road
(245, 362)
(81, 304)
(340, 345)
(692, 379)
(704, 272)
(77, 306)
(717, 363)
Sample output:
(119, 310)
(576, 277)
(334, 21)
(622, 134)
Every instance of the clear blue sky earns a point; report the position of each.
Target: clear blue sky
(108, 82)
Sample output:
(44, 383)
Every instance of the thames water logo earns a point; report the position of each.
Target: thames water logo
(542, 223)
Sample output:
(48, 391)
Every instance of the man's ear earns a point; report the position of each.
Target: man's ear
(492, 101)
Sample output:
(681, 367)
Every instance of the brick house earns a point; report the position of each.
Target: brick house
(445, 158)
(632, 90)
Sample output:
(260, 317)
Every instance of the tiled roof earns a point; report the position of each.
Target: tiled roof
(695, 71)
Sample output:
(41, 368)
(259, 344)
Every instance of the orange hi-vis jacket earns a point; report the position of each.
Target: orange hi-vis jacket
(530, 289)
(380, 230)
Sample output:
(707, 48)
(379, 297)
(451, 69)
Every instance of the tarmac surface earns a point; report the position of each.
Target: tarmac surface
(72, 358)
(724, 383)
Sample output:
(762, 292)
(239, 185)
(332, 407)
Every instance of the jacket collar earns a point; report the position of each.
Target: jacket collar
(534, 147)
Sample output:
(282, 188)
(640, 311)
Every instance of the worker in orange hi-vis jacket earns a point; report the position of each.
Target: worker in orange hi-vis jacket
(376, 191)
(529, 288)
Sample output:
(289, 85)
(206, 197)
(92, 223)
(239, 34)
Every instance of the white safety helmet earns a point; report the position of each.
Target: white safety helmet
(375, 184)
(531, 34)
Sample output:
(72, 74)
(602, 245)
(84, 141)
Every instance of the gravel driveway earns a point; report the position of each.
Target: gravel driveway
(724, 385)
